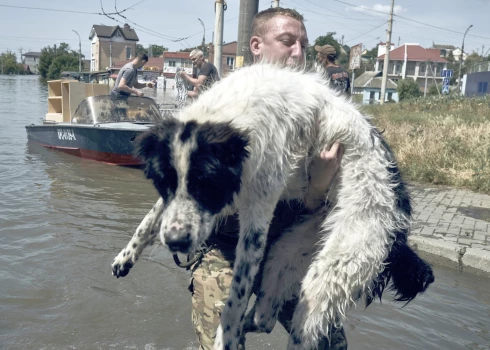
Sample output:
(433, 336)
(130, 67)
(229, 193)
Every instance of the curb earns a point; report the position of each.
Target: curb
(463, 258)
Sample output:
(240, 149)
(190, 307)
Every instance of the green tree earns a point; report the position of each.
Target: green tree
(8, 63)
(57, 59)
(329, 39)
(158, 50)
(62, 63)
(140, 49)
(407, 88)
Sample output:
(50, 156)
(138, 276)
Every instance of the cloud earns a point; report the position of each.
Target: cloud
(378, 7)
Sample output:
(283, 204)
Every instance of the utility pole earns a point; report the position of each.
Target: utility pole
(387, 56)
(203, 49)
(79, 51)
(248, 9)
(275, 3)
(342, 40)
(461, 60)
(218, 35)
(426, 69)
(398, 41)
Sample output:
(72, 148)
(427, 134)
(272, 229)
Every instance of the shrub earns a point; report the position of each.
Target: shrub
(407, 88)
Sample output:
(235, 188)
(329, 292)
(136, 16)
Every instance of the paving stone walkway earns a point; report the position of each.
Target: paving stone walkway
(453, 224)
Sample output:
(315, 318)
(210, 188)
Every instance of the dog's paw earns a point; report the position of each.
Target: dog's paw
(255, 323)
(123, 263)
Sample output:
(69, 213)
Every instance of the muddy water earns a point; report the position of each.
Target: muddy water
(63, 219)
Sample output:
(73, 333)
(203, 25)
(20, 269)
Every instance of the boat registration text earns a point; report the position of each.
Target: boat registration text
(66, 134)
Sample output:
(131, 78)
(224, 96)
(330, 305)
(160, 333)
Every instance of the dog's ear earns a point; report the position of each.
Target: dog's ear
(155, 140)
(225, 142)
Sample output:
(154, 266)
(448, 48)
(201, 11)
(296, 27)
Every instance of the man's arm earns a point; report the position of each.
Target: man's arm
(196, 82)
(123, 86)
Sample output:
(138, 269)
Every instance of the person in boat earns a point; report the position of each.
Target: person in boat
(206, 76)
(127, 78)
(278, 35)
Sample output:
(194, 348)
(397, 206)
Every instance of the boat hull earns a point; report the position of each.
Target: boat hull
(112, 144)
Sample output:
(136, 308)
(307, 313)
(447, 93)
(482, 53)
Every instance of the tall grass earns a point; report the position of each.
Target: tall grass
(442, 141)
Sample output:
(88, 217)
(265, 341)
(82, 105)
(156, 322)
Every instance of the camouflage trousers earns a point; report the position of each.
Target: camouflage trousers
(210, 286)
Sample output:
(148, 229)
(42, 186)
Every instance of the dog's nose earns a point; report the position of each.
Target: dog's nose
(178, 238)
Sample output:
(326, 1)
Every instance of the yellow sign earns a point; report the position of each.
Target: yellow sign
(239, 62)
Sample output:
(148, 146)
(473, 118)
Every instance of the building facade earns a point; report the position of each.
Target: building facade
(111, 44)
(31, 61)
(414, 62)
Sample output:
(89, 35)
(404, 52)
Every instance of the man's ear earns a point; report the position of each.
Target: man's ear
(256, 45)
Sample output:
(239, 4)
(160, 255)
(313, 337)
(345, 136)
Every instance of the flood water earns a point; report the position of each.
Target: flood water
(63, 220)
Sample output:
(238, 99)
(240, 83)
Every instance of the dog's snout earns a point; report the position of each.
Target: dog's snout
(178, 237)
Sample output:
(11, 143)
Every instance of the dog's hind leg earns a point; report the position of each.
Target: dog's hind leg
(255, 213)
(286, 265)
(145, 234)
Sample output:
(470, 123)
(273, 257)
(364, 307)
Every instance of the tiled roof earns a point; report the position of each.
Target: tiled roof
(32, 54)
(152, 62)
(376, 83)
(415, 53)
(364, 78)
(167, 54)
(108, 32)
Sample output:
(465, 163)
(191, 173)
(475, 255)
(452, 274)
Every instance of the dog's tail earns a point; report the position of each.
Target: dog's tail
(406, 274)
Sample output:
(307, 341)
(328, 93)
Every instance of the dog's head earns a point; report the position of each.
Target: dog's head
(197, 169)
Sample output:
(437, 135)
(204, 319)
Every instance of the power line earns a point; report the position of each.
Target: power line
(372, 30)
(347, 26)
(49, 9)
(409, 19)
(326, 15)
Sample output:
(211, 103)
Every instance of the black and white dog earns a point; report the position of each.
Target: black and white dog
(249, 142)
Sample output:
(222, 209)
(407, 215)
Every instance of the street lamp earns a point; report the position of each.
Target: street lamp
(203, 38)
(461, 59)
(79, 52)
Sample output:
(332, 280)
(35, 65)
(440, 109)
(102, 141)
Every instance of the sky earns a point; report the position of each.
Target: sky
(164, 22)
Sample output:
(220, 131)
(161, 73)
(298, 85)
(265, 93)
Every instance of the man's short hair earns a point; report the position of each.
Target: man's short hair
(261, 19)
(195, 53)
(143, 57)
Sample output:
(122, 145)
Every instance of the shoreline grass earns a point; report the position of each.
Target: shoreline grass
(440, 141)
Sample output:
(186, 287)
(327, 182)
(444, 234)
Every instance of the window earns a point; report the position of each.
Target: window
(171, 63)
(398, 68)
(422, 69)
(390, 96)
(483, 87)
(117, 34)
(128, 53)
(411, 68)
(230, 61)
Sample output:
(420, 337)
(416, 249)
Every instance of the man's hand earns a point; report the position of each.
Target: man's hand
(150, 84)
(325, 166)
(139, 93)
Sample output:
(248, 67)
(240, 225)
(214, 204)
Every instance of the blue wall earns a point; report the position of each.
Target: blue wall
(367, 93)
(477, 84)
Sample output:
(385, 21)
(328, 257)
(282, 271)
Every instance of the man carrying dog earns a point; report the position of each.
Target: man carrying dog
(278, 35)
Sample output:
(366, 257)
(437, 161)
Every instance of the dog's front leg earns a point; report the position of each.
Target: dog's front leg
(254, 224)
(145, 234)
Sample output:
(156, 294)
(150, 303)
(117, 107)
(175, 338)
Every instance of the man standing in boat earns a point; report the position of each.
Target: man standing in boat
(206, 76)
(127, 78)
